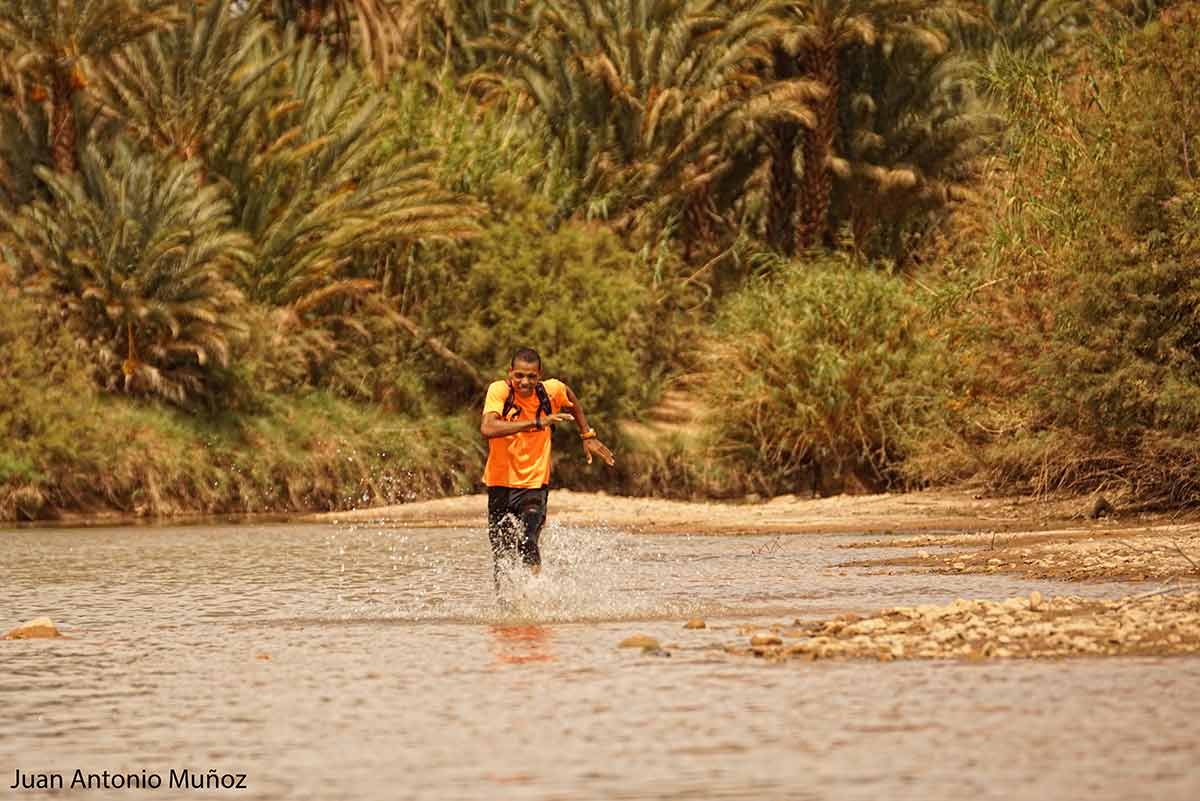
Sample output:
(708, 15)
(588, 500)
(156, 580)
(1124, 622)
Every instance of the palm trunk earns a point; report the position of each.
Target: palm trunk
(781, 228)
(861, 223)
(311, 17)
(63, 134)
(816, 184)
(781, 144)
(698, 221)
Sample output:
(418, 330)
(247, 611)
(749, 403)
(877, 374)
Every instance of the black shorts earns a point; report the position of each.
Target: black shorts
(515, 520)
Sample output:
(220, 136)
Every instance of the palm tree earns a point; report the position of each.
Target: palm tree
(176, 90)
(820, 33)
(643, 99)
(780, 139)
(370, 26)
(316, 187)
(140, 259)
(446, 33)
(912, 127)
(24, 140)
(59, 43)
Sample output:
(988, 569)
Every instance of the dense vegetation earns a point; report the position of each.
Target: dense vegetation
(263, 255)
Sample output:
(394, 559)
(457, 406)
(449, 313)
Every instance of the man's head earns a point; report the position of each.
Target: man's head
(524, 371)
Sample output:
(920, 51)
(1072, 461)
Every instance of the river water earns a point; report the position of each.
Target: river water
(343, 663)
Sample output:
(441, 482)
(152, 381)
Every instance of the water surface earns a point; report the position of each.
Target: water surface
(333, 662)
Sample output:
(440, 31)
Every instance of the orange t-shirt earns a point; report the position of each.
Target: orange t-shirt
(521, 460)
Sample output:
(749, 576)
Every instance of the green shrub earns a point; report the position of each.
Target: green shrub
(480, 146)
(570, 293)
(47, 404)
(823, 368)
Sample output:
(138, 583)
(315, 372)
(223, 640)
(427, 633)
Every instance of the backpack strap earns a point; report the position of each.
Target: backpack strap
(510, 402)
(543, 400)
(544, 407)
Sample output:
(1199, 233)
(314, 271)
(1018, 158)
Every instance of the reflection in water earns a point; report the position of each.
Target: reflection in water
(519, 645)
(395, 673)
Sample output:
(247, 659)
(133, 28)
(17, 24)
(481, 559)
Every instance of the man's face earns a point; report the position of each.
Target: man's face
(524, 376)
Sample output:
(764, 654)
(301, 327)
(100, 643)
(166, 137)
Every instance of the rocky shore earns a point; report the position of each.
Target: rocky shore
(1169, 551)
(1161, 559)
(1165, 622)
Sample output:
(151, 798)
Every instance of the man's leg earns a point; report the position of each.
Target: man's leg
(502, 530)
(530, 507)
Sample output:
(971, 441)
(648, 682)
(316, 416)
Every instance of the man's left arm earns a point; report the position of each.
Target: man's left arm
(592, 446)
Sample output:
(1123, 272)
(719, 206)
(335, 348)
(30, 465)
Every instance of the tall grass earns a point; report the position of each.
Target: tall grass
(1082, 339)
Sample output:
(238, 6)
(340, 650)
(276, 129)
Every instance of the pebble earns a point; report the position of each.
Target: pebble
(695, 623)
(41, 628)
(639, 641)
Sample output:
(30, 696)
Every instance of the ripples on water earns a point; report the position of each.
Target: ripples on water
(368, 663)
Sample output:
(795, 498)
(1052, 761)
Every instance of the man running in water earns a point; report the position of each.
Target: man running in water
(517, 416)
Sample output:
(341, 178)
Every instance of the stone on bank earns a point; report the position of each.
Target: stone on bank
(41, 628)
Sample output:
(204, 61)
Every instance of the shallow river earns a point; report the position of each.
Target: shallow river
(331, 663)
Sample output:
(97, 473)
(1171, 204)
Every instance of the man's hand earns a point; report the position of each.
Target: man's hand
(598, 448)
(558, 417)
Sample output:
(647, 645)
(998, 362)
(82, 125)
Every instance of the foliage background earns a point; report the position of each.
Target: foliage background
(255, 259)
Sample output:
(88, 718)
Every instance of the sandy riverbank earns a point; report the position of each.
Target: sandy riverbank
(915, 512)
(937, 531)
(945, 530)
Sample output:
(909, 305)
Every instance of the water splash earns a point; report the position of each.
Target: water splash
(589, 574)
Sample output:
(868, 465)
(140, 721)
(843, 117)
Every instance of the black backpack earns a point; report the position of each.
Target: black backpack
(544, 407)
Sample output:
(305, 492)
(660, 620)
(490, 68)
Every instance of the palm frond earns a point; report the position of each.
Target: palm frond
(314, 183)
(176, 89)
(141, 261)
(61, 44)
(639, 98)
(913, 128)
(371, 29)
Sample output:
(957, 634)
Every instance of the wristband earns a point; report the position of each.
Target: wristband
(589, 434)
(537, 419)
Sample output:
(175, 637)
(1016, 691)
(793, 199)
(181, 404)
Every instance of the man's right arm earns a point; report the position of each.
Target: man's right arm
(492, 426)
